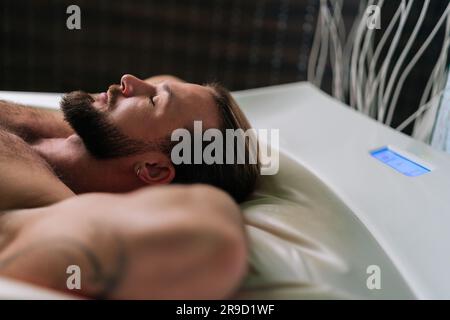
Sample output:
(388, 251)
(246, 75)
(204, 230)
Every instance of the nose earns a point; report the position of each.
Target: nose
(133, 86)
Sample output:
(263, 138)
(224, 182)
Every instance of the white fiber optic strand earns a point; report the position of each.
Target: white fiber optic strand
(348, 48)
(436, 84)
(323, 54)
(417, 57)
(321, 45)
(337, 26)
(361, 79)
(370, 50)
(355, 76)
(424, 121)
(402, 58)
(427, 91)
(360, 66)
(439, 78)
(388, 59)
(431, 87)
(354, 99)
(372, 82)
(336, 57)
(338, 20)
(445, 55)
(315, 50)
(433, 76)
(418, 112)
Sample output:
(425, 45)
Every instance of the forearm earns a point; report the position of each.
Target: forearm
(193, 247)
(31, 123)
(164, 243)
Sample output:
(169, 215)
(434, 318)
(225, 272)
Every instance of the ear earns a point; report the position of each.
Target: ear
(155, 172)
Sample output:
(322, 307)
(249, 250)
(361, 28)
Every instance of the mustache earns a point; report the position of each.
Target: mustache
(100, 137)
(114, 91)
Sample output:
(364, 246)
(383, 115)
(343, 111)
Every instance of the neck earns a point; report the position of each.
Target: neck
(80, 171)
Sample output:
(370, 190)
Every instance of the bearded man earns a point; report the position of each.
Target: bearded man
(72, 193)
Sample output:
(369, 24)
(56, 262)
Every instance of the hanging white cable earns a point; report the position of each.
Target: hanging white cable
(438, 73)
(372, 81)
(321, 46)
(335, 54)
(361, 74)
(423, 126)
(313, 56)
(431, 85)
(441, 66)
(424, 122)
(360, 64)
(370, 50)
(387, 61)
(367, 60)
(338, 19)
(401, 59)
(418, 113)
(323, 55)
(337, 27)
(348, 48)
(354, 75)
(427, 92)
(439, 78)
(354, 97)
(416, 58)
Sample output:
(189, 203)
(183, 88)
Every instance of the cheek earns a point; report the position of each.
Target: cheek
(132, 119)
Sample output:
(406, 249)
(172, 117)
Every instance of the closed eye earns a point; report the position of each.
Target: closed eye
(152, 101)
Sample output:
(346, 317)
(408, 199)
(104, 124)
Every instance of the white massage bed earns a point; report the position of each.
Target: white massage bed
(333, 210)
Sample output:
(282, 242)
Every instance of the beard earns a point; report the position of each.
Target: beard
(102, 139)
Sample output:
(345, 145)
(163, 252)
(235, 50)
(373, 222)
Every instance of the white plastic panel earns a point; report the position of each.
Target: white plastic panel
(408, 216)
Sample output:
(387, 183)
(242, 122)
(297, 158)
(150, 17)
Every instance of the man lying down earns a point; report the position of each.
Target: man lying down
(176, 241)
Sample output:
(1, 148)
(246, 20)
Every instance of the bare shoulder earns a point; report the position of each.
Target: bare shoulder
(26, 180)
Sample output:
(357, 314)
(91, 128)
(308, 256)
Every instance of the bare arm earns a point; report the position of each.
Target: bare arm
(160, 243)
(32, 123)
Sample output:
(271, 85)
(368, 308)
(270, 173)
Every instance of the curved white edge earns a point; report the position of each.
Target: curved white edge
(423, 265)
(16, 290)
(35, 99)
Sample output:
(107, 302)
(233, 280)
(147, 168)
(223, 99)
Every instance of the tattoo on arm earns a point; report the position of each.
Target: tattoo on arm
(103, 274)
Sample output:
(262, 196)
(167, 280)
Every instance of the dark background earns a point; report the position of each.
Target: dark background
(241, 43)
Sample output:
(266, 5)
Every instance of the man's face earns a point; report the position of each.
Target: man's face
(115, 122)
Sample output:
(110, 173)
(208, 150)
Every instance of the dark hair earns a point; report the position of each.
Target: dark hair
(237, 179)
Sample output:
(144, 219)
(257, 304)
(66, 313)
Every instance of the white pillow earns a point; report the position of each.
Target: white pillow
(305, 243)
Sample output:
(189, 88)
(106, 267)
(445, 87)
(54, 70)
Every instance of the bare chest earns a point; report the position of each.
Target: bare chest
(26, 180)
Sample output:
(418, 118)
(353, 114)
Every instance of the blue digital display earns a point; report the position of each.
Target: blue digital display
(400, 163)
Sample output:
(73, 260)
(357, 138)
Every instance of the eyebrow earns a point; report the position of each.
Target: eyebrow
(169, 91)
